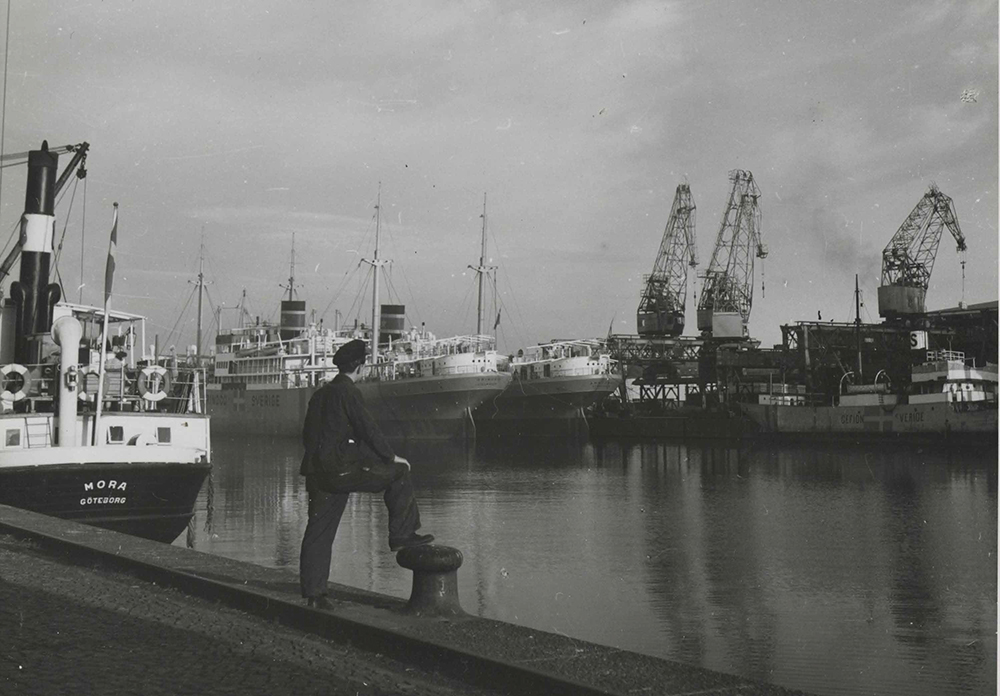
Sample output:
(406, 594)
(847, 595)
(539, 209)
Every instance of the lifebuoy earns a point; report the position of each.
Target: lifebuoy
(7, 394)
(146, 382)
(81, 380)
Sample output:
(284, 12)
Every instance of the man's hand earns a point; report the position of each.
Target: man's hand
(400, 460)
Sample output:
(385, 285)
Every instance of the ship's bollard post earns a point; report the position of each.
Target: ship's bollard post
(435, 579)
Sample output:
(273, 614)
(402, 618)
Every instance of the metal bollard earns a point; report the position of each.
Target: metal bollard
(435, 579)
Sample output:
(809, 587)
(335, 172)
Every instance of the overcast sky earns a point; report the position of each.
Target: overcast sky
(254, 120)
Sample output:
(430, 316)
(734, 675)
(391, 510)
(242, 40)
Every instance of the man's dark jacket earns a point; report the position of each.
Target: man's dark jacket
(339, 432)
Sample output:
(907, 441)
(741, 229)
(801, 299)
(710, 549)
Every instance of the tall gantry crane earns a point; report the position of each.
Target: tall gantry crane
(908, 259)
(727, 293)
(661, 309)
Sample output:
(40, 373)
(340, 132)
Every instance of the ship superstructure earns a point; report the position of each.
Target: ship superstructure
(419, 387)
(553, 384)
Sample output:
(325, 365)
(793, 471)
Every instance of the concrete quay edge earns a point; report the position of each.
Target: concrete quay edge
(483, 652)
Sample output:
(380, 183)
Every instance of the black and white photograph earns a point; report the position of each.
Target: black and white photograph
(640, 347)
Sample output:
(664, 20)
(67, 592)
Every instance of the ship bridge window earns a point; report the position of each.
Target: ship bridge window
(12, 438)
(116, 433)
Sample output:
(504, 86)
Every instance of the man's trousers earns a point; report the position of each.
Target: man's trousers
(326, 508)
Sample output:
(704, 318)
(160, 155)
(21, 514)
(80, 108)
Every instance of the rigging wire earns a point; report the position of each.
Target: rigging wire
(506, 277)
(406, 281)
(350, 272)
(83, 237)
(3, 109)
(348, 276)
(215, 315)
(467, 303)
(179, 317)
(362, 290)
(13, 234)
(55, 260)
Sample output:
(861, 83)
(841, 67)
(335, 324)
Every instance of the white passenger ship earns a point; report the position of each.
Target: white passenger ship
(415, 385)
(420, 386)
(552, 385)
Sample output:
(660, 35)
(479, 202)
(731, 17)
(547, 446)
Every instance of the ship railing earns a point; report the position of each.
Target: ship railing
(35, 389)
(950, 355)
(379, 372)
(575, 348)
(440, 347)
(159, 388)
(463, 370)
(580, 371)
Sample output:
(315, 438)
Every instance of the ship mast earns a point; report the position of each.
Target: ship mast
(291, 272)
(376, 264)
(201, 290)
(375, 276)
(482, 268)
(857, 322)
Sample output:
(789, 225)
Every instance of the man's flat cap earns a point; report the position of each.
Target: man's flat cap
(352, 351)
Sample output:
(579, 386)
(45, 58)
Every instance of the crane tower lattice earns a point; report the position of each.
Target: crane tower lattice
(908, 259)
(727, 292)
(664, 297)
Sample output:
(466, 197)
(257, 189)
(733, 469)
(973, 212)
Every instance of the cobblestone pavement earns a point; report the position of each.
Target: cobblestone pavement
(66, 629)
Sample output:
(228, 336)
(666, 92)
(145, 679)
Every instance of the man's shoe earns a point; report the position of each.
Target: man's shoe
(412, 540)
(321, 602)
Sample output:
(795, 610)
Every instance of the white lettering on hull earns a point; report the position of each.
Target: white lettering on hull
(102, 501)
(110, 485)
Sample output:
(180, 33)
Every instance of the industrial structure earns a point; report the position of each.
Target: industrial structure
(727, 293)
(668, 368)
(689, 377)
(661, 309)
(908, 259)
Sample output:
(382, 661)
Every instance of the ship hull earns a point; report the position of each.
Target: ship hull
(127, 489)
(692, 423)
(905, 421)
(424, 408)
(546, 407)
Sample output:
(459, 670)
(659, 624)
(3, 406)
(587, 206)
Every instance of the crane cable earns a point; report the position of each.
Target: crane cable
(962, 261)
(3, 110)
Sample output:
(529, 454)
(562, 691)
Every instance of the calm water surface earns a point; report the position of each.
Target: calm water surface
(833, 570)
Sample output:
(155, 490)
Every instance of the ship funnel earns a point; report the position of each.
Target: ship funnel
(67, 332)
(33, 295)
(392, 321)
(293, 319)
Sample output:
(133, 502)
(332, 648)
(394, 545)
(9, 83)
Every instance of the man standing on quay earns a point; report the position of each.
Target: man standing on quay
(346, 453)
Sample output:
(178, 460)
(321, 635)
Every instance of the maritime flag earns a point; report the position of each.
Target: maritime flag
(109, 270)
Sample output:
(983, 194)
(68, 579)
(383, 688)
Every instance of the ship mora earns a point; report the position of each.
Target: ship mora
(123, 445)
(553, 383)
(421, 387)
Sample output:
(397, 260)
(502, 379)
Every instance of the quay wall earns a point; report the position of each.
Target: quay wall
(486, 654)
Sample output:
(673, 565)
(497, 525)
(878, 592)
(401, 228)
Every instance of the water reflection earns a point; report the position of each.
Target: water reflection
(833, 570)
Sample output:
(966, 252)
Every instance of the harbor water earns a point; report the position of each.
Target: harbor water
(835, 570)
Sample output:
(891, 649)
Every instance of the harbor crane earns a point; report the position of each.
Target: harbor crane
(661, 309)
(908, 259)
(727, 292)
